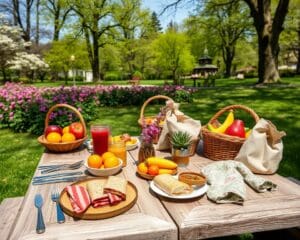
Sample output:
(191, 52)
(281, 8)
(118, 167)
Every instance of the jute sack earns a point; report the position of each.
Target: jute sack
(262, 151)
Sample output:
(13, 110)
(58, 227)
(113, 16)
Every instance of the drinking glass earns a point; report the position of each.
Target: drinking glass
(119, 149)
(100, 135)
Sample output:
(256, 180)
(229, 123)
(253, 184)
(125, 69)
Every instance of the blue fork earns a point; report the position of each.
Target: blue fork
(59, 213)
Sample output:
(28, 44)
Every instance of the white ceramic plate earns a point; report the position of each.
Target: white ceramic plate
(197, 192)
(132, 146)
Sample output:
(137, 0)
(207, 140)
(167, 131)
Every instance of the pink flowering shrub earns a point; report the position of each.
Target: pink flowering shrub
(24, 108)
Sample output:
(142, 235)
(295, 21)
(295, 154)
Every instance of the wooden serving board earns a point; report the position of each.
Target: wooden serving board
(150, 177)
(101, 212)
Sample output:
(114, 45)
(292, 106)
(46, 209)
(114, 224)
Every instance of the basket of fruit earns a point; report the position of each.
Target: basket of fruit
(223, 141)
(151, 119)
(58, 139)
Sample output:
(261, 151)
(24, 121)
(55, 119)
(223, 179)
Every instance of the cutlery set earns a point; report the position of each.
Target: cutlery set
(54, 178)
(58, 177)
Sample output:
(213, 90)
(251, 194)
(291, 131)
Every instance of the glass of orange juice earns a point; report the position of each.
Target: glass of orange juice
(119, 149)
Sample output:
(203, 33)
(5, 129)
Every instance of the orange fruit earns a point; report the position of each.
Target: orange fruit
(68, 137)
(95, 161)
(110, 162)
(107, 155)
(153, 170)
(142, 167)
(66, 129)
(53, 137)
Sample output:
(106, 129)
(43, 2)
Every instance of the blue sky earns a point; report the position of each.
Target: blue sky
(177, 16)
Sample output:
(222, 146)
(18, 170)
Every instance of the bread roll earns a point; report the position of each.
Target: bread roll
(170, 185)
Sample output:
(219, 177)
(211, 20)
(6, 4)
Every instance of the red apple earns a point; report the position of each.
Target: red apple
(77, 129)
(52, 128)
(236, 129)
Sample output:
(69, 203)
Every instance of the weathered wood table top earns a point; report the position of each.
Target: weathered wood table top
(200, 218)
(147, 219)
(155, 217)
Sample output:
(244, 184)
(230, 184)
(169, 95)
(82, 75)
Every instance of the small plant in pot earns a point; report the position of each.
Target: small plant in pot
(181, 142)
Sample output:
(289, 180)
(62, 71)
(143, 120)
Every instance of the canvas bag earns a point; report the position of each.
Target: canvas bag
(176, 121)
(262, 150)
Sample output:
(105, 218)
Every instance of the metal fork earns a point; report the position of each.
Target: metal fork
(59, 213)
(53, 168)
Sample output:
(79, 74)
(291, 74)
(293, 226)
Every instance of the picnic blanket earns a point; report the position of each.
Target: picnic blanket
(226, 180)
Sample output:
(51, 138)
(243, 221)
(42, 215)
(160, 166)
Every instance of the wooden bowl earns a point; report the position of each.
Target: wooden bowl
(66, 146)
(192, 178)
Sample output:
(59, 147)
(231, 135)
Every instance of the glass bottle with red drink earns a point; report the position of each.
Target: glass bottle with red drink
(100, 135)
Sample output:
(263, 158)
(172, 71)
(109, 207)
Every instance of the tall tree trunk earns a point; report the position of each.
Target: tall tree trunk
(228, 55)
(56, 24)
(28, 20)
(95, 64)
(37, 37)
(298, 49)
(268, 32)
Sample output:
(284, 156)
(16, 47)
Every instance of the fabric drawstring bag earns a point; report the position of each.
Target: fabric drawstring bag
(176, 121)
(262, 150)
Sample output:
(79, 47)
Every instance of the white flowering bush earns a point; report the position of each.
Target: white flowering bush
(13, 53)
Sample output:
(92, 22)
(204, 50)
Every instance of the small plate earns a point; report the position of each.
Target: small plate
(197, 192)
(132, 146)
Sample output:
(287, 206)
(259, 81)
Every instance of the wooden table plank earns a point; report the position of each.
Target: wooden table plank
(200, 218)
(147, 219)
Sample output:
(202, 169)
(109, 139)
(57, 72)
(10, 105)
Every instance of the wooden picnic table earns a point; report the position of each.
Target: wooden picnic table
(155, 217)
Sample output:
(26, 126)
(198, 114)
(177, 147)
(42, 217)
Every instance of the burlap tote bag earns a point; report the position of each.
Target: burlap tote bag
(262, 151)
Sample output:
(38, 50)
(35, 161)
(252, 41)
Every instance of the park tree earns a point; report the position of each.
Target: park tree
(268, 25)
(155, 23)
(57, 12)
(96, 22)
(290, 37)
(228, 23)
(59, 56)
(172, 54)
(130, 28)
(20, 12)
(13, 54)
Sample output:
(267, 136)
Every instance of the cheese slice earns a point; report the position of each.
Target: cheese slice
(170, 185)
(117, 186)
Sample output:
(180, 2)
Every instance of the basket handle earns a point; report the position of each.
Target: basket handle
(232, 107)
(69, 107)
(149, 100)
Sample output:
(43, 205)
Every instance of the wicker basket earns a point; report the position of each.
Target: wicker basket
(219, 146)
(142, 116)
(67, 146)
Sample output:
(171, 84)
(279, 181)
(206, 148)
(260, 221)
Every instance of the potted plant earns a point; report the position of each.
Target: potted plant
(181, 142)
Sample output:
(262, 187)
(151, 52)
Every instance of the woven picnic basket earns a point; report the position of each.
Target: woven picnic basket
(220, 146)
(66, 146)
(143, 119)
(142, 113)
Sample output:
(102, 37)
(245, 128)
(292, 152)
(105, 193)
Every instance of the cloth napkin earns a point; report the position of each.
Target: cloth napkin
(79, 198)
(226, 180)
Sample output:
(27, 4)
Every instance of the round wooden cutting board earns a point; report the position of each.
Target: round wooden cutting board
(101, 212)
